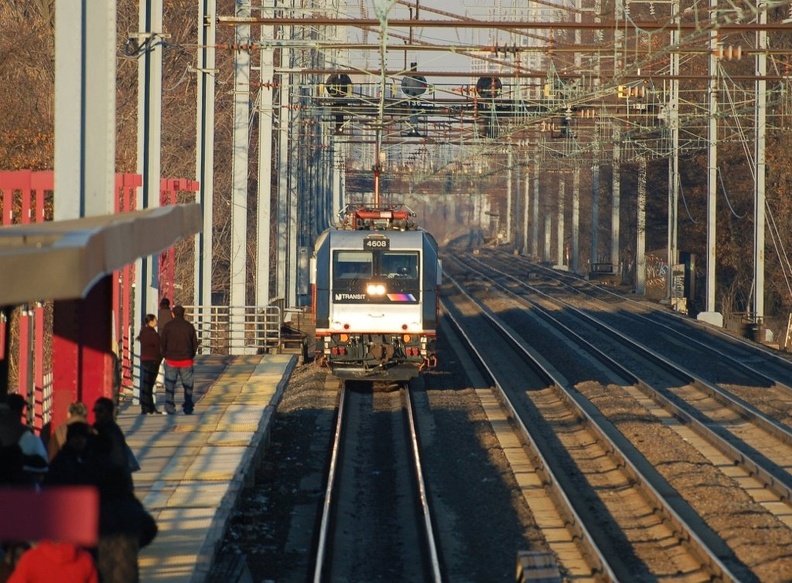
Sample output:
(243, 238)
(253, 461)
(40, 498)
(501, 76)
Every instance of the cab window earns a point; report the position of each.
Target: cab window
(398, 265)
(352, 265)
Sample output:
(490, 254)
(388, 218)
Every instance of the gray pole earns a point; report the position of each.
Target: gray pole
(149, 146)
(616, 200)
(712, 163)
(338, 177)
(595, 172)
(759, 206)
(527, 205)
(239, 168)
(509, 181)
(264, 191)
(204, 155)
(573, 263)
(519, 234)
(640, 245)
(294, 199)
(548, 237)
(673, 166)
(85, 80)
(284, 120)
(535, 216)
(560, 225)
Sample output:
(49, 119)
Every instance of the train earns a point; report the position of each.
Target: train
(375, 280)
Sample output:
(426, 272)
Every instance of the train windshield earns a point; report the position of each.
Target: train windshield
(357, 265)
(353, 264)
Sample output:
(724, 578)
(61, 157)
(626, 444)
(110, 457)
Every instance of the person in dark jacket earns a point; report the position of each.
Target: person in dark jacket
(150, 360)
(70, 465)
(164, 315)
(108, 449)
(23, 457)
(179, 347)
(125, 527)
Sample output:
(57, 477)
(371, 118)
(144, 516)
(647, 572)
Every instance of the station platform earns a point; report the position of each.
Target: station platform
(193, 467)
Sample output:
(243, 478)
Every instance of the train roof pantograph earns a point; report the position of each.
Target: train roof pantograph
(394, 217)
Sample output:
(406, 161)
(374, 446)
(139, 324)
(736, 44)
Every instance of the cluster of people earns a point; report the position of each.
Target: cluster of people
(170, 337)
(77, 453)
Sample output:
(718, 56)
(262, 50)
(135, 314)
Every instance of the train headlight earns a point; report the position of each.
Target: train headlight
(375, 289)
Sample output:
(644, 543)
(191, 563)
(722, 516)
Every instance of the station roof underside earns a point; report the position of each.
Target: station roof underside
(61, 260)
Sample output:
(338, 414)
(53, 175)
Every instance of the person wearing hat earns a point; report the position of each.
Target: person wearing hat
(78, 413)
(179, 347)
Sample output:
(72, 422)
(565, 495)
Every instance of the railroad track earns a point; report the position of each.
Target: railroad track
(753, 440)
(750, 429)
(760, 362)
(376, 521)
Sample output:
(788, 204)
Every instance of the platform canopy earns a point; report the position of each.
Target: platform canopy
(60, 260)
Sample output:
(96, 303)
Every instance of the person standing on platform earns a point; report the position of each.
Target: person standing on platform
(109, 448)
(70, 465)
(23, 457)
(78, 413)
(150, 360)
(164, 315)
(125, 527)
(179, 347)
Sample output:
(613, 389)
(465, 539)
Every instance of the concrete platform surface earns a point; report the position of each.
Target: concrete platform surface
(193, 467)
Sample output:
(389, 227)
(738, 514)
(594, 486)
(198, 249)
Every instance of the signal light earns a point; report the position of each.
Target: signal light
(406, 337)
(625, 92)
(729, 52)
(344, 337)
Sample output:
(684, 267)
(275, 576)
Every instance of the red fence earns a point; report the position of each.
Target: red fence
(27, 196)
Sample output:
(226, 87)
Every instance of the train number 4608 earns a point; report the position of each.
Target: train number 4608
(378, 243)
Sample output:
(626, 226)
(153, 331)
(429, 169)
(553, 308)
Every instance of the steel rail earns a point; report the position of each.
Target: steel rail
(327, 505)
(757, 350)
(747, 461)
(573, 522)
(434, 557)
(744, 366)
(321, 548)
(698, 537)
(740, 364)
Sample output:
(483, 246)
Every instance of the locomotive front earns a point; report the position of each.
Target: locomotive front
(375, 302)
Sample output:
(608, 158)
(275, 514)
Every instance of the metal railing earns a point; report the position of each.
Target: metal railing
(237, 329)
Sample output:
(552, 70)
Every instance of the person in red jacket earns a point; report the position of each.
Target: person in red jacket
(59, 561)
(150, 359)
(179, 347)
